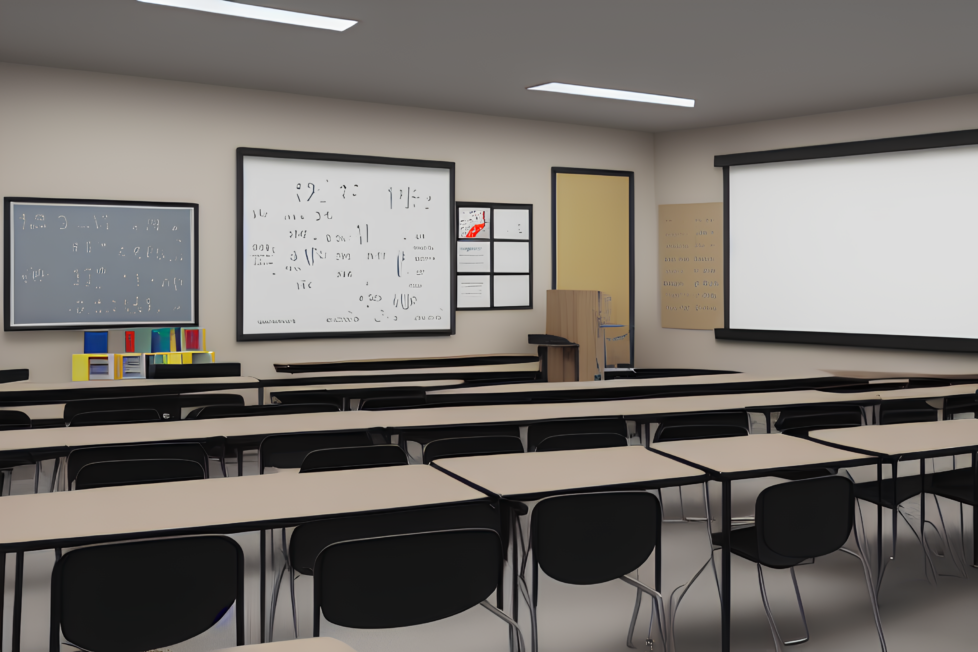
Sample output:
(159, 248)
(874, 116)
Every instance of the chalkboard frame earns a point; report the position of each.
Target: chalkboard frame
(835, 150)
(7, 277)
(243, 152)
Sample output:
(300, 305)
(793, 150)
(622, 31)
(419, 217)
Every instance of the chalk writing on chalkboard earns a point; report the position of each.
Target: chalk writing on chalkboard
(336, 247)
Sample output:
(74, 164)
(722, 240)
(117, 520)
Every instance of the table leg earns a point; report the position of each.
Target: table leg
(923, 517)
(879, 523)
(725, 571)
(18, 601)
(261, 395)
(974, 510)
(261, 575)
(3, 586)
(240, 460)
(515, 563)
(893, 475)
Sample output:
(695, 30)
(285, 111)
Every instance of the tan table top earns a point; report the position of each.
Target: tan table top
(28, 386)
(251, 426)
(490, 368)
(339, 387)
(711, 379)
(222, 505)
(881, 375)
(297, 645)
(745, 455)
(905, 438)
(533, 474)
(929, 392)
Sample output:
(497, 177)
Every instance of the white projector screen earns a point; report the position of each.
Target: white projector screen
(871, 245)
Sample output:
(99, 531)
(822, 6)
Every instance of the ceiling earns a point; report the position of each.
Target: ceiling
(741, 60)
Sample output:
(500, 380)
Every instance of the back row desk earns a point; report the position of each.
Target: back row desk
(246, 504)
(30, 393)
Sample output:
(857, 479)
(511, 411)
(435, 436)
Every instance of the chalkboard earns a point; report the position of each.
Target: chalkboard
(74, 264)
(332, 245)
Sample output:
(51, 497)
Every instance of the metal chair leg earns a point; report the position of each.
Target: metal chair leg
(872, 594)
(513, 626)
(658, 609)
(779, 642)
(631, 625)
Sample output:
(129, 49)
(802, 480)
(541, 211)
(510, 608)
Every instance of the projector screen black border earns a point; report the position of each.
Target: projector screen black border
(243, 152)
(835, 150)
(7, 243)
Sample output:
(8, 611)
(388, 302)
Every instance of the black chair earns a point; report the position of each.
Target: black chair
(819, 413)
(226, 411)
(581, 441)
(392, 402)
(907, 411)
(170, 406)
(587, 539)
(309, 539)
(470, 446)
(289, 451)
(128, 472)
(795, 522)
(958, 405)
(134, 464)
(112, 417)
(310, 396)
(145, 595)
(700, 425)
(353, 457)
(537, 432)
(424, 436)
(365, 583)
(14, 420)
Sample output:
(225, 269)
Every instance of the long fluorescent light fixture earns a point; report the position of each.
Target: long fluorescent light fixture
(259, 13)
(611, 94)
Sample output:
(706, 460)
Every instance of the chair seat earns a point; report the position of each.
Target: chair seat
(906, 488)
(743, 543)
(957, 485)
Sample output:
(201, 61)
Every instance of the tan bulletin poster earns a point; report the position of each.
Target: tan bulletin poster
(691, 266)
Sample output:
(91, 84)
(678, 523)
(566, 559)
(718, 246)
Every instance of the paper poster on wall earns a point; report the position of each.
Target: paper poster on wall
(691, 266)
(473, 223)
(511, 290)
(473, 292)
(511, 257)
(511, 224)
(473, 256)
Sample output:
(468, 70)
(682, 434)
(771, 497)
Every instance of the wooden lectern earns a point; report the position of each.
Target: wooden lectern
(573, 315)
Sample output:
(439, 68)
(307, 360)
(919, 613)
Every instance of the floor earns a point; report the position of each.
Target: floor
(917, 614)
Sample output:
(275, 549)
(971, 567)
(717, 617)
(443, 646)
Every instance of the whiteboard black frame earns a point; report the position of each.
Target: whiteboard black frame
(7, 243)
(242, 152)
(492, 273)
(835, 150)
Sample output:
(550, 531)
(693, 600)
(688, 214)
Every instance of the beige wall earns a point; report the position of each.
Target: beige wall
(684, 173)
(84, 135)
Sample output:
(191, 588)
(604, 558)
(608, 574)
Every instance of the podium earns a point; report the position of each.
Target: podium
(575, 316)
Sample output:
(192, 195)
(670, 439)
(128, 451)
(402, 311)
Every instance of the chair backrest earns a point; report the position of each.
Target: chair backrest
(681, 431)
(82, 457)
(804, 430)
(537, 432)
(110, 417)
(594, 538)
(146, 595)
(366, 583)
(800, 415)
(168, 405)
(353, 457)
(819, 421)
(580, 441)
(470, 446)
(225, 411)
(960, 405)
(288, 451)
(312, 396)
(804, 519)
(427, 435)
(14, 420)
(391, 402)
(115, 473)
(907, 411)
(737, 418)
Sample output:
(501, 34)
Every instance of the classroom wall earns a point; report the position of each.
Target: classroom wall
(85, 135)
(684, 173)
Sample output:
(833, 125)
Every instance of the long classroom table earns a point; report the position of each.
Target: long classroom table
(226, 506)
(30, 393)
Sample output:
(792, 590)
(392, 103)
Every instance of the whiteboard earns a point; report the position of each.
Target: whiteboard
(74, 264)
(342, 246)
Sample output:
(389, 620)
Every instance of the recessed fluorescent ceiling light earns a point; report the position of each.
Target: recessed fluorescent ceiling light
(259, 13)
(631, 96)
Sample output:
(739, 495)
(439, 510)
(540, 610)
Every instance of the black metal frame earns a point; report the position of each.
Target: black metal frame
(835, 150)
(8, 274)
(243, 152)
(492, 273)
(631, 238)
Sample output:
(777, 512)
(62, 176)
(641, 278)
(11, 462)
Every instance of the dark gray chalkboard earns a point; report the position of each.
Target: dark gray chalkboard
(90, 264)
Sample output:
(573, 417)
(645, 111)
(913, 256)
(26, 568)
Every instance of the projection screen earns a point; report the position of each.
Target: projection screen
(846, 244)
